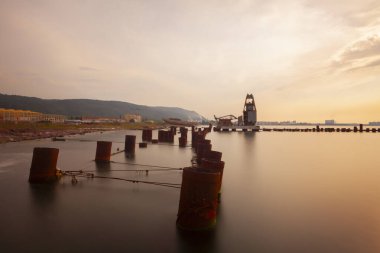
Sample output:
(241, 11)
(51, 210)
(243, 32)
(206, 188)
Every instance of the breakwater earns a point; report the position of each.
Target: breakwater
(326, 129)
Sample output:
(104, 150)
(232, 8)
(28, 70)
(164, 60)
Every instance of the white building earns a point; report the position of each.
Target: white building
(329, 122)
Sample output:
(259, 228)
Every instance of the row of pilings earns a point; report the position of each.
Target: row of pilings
(201, 182)
(201, 185)
(355, 129)
(318, 129)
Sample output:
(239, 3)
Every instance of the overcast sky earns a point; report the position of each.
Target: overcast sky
(303, 60)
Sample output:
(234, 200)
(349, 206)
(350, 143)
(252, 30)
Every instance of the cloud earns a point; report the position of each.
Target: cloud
(367, 47)
(371, 64)
(361, 54)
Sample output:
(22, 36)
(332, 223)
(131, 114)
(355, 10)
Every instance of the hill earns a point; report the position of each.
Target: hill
(94, 108)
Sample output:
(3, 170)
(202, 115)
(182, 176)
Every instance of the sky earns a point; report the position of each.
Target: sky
(304, 60)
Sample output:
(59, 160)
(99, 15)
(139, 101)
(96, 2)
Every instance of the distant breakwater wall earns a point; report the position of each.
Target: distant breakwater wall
(317, 129)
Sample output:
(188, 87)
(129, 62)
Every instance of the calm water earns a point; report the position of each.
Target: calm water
(282, 192)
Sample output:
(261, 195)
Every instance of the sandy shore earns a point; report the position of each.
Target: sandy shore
(29, 131)
(14, 135)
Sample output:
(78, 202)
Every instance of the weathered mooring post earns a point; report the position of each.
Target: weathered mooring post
(198, 199)
(213, 155)
(130, 144)
(103, 151)
(214, 166)
(203, 147)
(143, 145)
(182, 142)
(44, 165)
(183, 139)
(147, 134)
(165, 136)
(173, 130)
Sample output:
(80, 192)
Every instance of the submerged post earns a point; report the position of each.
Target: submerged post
(130, 143)
(182, 141)
(44, 165)
(143, 145)
(103, 151)
(147, 134)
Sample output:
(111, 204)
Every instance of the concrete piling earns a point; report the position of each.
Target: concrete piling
(214, 166)
(202, 148)
(165, 136)
(212, 155)
(44, 165)
(182, 141)
(198, 199)
(143, 145)
(147, 135)
(103, 151)
(173, 130)
(130, 144)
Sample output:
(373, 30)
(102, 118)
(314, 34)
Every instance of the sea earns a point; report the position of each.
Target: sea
(281, 192)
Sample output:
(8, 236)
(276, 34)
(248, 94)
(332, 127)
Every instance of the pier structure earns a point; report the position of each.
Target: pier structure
(249, 111)
(245, 122)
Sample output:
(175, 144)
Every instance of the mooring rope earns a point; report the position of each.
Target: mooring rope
(117, 152)
(146, 165)
(159, 168)
(75, 174)
(120, 142)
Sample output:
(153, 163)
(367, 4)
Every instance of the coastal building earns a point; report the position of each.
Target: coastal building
(28, 116)
(90, 120)
(329, 122)
(132, 118)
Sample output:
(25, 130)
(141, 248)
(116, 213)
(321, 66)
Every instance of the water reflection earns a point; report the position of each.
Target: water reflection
(43, 195)
(281, 192)
(249, 141)
(103, 166)
(198, 241)
(129, 156)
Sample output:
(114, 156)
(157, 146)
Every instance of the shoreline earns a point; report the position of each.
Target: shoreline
(13, 132)
(17, 136)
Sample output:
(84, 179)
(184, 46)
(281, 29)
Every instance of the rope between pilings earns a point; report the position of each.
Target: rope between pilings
(120, 142)
(117, 152)
(159, 168)
(147, 165)
(75, 174)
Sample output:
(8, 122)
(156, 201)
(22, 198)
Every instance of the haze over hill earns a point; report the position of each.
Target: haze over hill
(95, 108)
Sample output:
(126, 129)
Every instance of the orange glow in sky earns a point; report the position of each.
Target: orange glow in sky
(305, 60)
